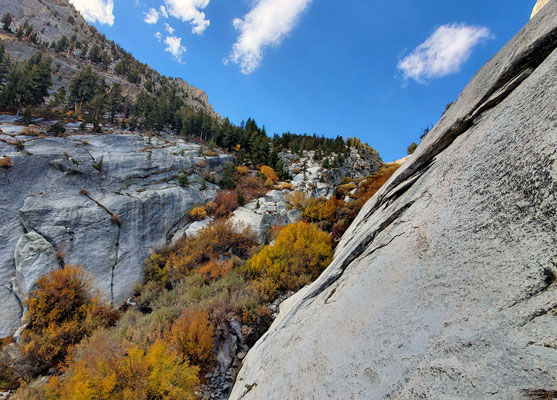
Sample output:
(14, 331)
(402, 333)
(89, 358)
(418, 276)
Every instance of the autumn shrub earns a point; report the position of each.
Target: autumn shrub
(242, 170)
(296, 200)
(286, 186)
(211, 207)
(271, 177)
(345, 189)
(218, 240)
(251, 187)
(31, 131)
(6, 162)
(300, 253)
(62, 309)
(197, 214)
(215, 269)
(227, 202)
(107, 371)
(192, 335)
(373, 183)
(322, 211)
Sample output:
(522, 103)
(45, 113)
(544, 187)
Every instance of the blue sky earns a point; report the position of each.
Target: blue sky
(375, 69)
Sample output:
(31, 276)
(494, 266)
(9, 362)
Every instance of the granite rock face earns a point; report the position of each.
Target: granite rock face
(311, 179)
(103, 202)
(539, 5)
(444, 286)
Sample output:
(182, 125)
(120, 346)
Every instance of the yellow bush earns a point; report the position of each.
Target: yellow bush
(318, 210)
(192, 335)
(271, 177)
(296, 200)
(300, 253)
(242, 170)
(197, 214)
(110, 373)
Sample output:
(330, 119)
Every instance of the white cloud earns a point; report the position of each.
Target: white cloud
(168, 28)
(96, 10)
(151, 16)
(267, 23)
(189, 11)
(163, 11)
(174, 47)
(443, 53)
(158, 35)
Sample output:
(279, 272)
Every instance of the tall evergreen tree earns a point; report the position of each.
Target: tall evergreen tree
(26, 83)
(83, 88)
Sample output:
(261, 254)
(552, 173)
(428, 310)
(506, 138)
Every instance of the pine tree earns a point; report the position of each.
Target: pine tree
(115, 100)
(6, 21)
(83, 88)
(27, 83)
(95, 54)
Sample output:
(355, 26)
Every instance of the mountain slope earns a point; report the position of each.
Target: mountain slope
(444, 285)
(50, 21)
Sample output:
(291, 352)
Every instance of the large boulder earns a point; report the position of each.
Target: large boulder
(104, 202)
(444, 286)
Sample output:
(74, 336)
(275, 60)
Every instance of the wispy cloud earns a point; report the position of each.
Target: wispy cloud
(168, 28)
(174, 47)
(189, 11)
(151, 16)
(266, 24)
(100, 11)
(443, 53)
(158, 35)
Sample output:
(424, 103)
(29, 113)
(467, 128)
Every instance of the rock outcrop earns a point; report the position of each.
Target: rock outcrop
(103, 202)
(444, 286)
(539, 5)
(309, 178)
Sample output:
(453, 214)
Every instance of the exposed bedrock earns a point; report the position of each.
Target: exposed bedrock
(103, 202)
(444, 286)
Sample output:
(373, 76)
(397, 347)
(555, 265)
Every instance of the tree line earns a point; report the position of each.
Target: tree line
(25, 86)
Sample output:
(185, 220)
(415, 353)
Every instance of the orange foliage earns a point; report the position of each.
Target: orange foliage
(106, 371)
(300, 252)
(271, 177)
(227, 202)
(31, 131)
(6, 162)
(251, 187)
(215, 269)
(374, 182)
(61, 311)
(217, 240)
(242, 170)
(192, 335)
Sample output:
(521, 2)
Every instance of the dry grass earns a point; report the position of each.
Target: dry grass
(31, 131)
(6, 162)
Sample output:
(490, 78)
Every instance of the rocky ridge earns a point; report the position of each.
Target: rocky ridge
(444, 285)
(101, 201)
(308, 177)
(52, 19)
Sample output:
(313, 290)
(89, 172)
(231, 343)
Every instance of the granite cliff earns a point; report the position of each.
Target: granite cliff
(444, 285)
